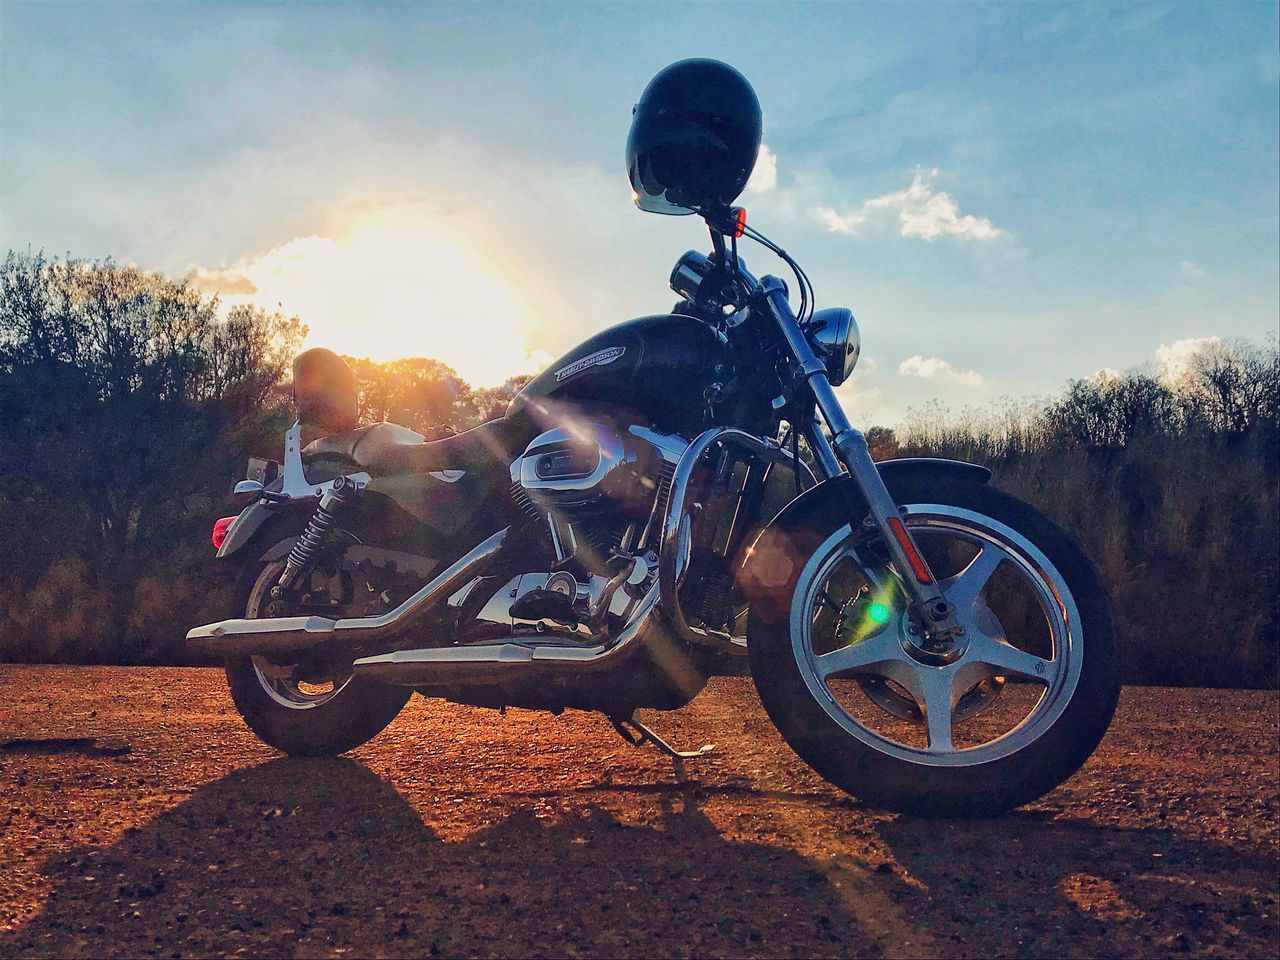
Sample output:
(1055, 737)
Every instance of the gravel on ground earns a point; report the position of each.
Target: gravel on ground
(141, 818)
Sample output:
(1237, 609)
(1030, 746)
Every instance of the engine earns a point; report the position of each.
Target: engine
(599, 489)
(600, 494)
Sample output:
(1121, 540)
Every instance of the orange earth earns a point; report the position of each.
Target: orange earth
(141, 818)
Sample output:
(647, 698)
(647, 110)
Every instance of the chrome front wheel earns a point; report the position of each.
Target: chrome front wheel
(850, 622)
(1006, 715)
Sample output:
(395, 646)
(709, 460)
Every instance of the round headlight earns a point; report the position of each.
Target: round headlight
(834, 335)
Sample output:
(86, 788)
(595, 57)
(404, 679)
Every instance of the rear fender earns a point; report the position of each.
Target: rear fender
(792, 536)
(257, 516)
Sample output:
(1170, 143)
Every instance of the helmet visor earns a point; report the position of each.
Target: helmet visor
(677, 164)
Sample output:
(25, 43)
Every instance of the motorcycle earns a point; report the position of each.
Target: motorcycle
(679, 497)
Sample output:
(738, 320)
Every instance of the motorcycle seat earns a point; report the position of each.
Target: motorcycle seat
(388, 449)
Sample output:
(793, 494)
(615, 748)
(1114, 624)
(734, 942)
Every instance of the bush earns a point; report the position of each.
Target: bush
(126, 406)
(1172, 486)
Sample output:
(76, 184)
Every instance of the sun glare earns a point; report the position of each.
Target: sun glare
(391, 284)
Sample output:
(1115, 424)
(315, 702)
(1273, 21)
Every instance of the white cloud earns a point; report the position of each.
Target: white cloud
(1190, 270)
(765, 175)
(835, 223)
(220, 281)
(921, 212)
(861, 395)
(1107, 373)
(935, 368)
(1176, 360)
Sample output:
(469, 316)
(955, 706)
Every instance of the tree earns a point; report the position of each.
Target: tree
(488, 403)
(118, 391)
(416, 392)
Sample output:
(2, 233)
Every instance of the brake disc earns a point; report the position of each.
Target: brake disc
(895, 701)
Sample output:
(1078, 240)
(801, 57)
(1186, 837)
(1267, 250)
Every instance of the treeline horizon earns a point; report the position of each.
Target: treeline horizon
(130, 402)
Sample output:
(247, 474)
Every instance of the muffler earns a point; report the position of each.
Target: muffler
(289, 635)
(504, 661)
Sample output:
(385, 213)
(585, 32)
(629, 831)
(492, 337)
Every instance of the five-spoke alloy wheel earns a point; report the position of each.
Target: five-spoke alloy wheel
(1012, 706)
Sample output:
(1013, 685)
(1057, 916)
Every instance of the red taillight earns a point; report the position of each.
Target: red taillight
(220, 531)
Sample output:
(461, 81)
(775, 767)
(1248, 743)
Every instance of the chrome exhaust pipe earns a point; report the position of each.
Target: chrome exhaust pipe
(509, 660)
(288, 635)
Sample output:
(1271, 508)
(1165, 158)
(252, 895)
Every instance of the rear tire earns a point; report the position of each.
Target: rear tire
(914, 784)
(356, 711)
(357, 714)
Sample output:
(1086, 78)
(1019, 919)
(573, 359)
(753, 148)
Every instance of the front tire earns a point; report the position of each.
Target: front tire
(327, 713)
(851, 694)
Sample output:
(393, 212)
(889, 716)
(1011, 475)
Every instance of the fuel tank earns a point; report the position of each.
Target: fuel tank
(658, 368)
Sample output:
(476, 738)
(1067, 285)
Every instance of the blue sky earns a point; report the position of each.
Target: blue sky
(1007, 195)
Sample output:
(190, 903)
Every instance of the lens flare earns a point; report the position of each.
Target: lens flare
(877, 612)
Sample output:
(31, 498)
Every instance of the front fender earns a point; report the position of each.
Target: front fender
(932, 467)
(799, 528)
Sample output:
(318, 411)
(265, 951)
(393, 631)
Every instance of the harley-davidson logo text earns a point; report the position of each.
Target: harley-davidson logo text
(608, 355)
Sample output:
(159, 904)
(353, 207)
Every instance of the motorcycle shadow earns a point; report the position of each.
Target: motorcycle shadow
(323, 857)
(1034, 884)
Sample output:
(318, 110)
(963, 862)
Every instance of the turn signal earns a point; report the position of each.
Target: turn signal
(739, 221)
(220, 529)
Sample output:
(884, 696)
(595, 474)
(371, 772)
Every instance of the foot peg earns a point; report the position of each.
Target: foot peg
(634, 731)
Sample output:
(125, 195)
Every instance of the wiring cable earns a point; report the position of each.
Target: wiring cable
(807, 297)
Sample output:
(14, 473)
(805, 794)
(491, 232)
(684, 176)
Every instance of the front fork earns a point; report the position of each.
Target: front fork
(926, 603)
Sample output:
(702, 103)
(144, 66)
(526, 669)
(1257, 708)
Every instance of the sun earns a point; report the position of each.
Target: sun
(391, 283)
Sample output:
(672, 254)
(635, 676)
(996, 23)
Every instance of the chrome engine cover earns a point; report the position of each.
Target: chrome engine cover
(601, 491)
(588, 461)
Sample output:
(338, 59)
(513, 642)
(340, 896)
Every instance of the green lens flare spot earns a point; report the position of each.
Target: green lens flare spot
(877, 612)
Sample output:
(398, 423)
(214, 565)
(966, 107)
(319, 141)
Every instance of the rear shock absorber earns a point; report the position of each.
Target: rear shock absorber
(304, 552)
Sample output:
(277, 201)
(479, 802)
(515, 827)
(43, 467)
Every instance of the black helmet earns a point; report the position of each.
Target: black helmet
(694, 138)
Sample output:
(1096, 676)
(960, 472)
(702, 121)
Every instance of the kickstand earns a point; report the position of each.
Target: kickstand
(634, 731)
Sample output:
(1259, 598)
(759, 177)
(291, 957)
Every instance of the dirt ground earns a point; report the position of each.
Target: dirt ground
(140, 818)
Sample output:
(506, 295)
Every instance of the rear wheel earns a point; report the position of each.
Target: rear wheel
(314, 706)
(1009, 716)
